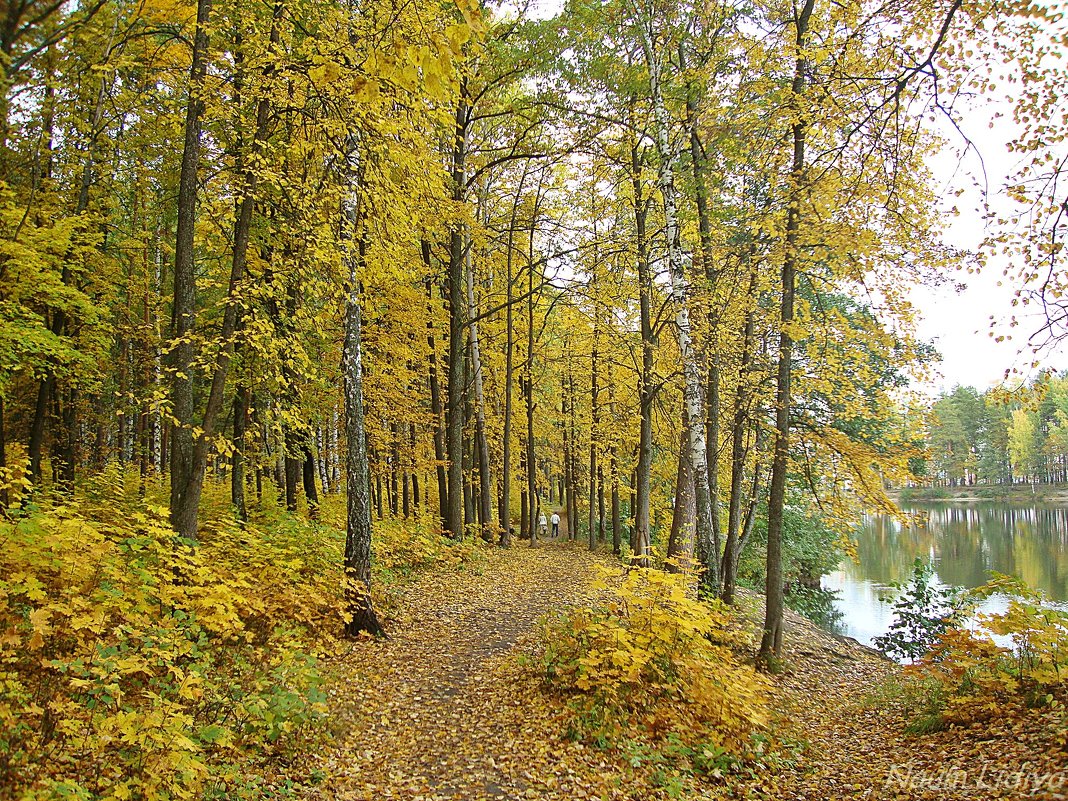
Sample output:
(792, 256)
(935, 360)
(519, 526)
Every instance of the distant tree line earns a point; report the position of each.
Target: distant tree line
(998, 437)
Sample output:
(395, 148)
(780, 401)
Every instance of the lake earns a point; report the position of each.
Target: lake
(964, 541)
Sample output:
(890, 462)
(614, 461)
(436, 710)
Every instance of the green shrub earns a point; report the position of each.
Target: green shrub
(922, 614)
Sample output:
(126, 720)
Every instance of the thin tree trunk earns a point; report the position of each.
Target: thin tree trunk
(505, 515)
(771, 641)
(436, 407)
(617, 529)
(454, 423)
(485, 488)
(566, 492)
(237, 466)
(682, 517)
(308, 476)
(739, 424)
(640, 539)
(528, 391)
(573, 513)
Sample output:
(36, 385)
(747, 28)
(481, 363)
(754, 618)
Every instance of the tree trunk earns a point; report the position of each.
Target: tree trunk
(485, 488)
(594, 414)
(308, 476)
(505, 512)
(682, 517)
(566, 491)
(771, 641)
(189, 466)
(704, 228)
(739, 426)
(237, 465)
(187, 475)
(705, 548)
(361, 613)
(640, 536)
(436, 407)
(454, 424)
(617, 529)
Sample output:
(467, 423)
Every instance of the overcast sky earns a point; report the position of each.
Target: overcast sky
(960, 325)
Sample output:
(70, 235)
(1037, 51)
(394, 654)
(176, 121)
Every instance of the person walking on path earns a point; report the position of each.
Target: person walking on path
(541, 525)
(556, 524)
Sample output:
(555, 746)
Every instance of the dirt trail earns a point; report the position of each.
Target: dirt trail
(436, 714)
(421, 711)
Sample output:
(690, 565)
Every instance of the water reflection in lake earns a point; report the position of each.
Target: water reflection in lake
(964, 541)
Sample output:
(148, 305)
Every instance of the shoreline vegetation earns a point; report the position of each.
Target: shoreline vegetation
(1023, 493)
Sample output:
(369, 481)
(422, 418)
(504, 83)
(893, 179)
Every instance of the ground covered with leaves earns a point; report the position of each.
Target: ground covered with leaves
(133, 666)
(455, 705)
(852, 710)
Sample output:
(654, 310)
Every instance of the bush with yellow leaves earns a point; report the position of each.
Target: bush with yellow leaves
(135, 665)
(970, 675)
(655, 665)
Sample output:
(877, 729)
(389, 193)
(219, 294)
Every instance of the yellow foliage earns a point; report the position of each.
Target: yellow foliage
(133, 664)
(976, 675)
(653, 663)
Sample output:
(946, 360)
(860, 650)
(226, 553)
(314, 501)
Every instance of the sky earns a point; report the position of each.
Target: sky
(963, 325)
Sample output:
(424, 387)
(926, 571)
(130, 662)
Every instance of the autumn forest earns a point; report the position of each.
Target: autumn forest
(434, 400)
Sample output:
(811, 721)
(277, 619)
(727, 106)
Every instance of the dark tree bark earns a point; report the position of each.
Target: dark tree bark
(454, 423)
(189, 454)
(187, 475)
(436, 407)
(771, 641)
(617, 527)
(646, 392)
(566, 491)
(528, 392)
(308, 476)
(485, 481)
(684, 515)
(237, 462)
(739, 426)
(595, 419)
(573, 491)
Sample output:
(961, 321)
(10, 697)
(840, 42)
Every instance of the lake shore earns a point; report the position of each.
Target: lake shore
(1055, 494)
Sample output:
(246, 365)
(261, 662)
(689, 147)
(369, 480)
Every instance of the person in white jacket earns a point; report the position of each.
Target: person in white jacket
(541, 525)
(556, 524)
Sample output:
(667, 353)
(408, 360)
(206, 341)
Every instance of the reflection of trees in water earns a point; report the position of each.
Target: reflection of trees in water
(966, 542)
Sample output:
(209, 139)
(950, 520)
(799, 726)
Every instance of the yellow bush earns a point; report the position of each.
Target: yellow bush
(135, 665)
(401, 547)
(975, 675)
(655, 664)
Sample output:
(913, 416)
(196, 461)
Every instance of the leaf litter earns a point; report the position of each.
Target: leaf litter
(450, 708)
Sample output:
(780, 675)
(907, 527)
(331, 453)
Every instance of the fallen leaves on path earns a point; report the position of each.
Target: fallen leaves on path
(432, 713)
(451, 709)
(842, 701)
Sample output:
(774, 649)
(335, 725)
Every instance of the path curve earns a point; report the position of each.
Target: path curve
(421, 711)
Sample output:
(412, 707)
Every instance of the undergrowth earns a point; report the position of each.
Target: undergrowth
(651, 672)
(1014, 658)
(134, 664)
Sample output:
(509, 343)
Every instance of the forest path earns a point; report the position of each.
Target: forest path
(425, 715)
(441, 712)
